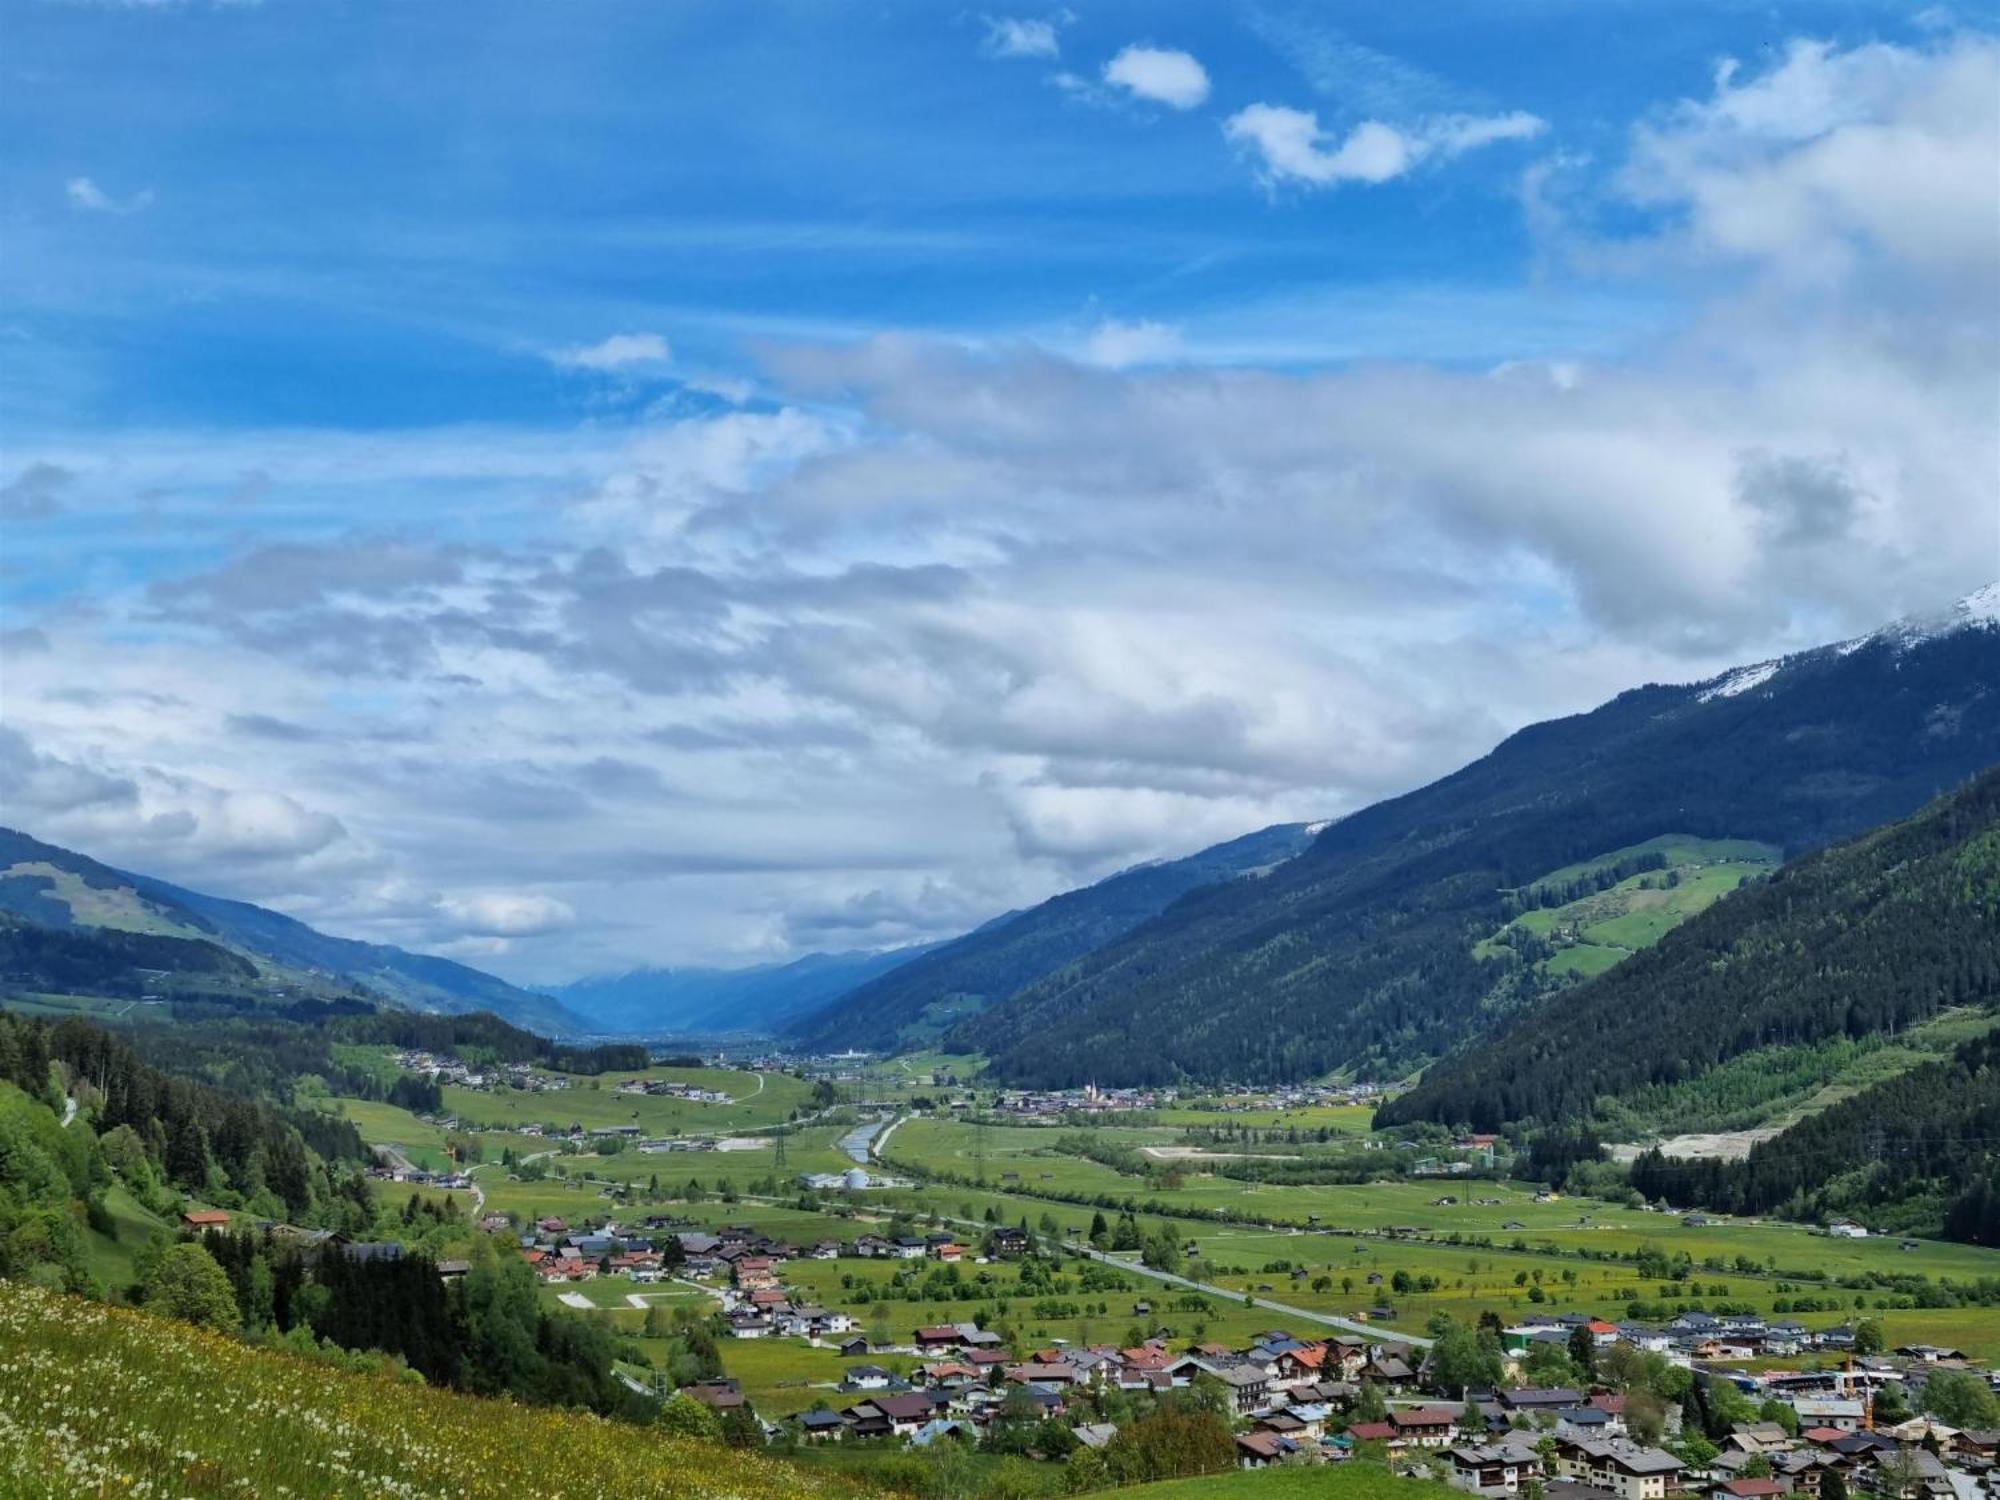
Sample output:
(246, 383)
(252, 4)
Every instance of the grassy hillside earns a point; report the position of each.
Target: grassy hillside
(1349, 1481)
(1583, 934)
(1360, 952)
(1866, 939)
(102, 1401)
(916, 1001)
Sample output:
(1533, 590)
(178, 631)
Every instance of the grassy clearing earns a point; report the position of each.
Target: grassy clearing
(98, 1401)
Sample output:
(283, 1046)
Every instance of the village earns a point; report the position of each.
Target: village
(1815, 1412)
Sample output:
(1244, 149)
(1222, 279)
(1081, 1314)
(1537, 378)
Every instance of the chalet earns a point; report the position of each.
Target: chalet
(1504, 1468)
(754, 1273)
(866, 1378)
(949, 1250)
(1375, 1432)
(942, 1336)
(1424, 1426)
(1629, 1470)
(871, 1247)
(1261, 1449)
(206, 1218)
(717, 1395)
(822, 1426)
(1008, 1243)
(1842, 1412)
(1752, 1489)
(1249, 1387)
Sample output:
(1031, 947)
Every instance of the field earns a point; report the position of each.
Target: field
(1352, 1240)
(1349, 1481)
(1595, 931)
(99, 1401)
(759, 1101)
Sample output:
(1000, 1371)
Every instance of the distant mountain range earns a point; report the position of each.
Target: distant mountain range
(65, 918)
(1385, 944)
(716, 1002)
(916, 1001)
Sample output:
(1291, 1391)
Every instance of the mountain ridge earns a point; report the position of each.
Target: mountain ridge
(995, 960)
(1358, 952)
(416, 980)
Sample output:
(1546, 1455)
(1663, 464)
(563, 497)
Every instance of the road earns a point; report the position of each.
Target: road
(1372, 1331)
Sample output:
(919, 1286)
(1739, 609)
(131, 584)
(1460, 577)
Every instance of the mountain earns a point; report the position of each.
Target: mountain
(709, 1002)
(1866, 938)
(1384, 944)
(918, 999)
(61, 892)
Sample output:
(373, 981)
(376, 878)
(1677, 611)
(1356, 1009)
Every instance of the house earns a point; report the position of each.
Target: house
(1842, 1412)
(1008, 1243)
(866, 1378)
(851, 1348)
(1424, 1426)
(949, 1250)
(822, 1426)
(1249, 1387)
(1495, 1468)
(1753, 1489)
(1847, 1229)
(716, 1395)
(1629, 1470)
(206, 1218)
(1259, 1450)
(941, 1336)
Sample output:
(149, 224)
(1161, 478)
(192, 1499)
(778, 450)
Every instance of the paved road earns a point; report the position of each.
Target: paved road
(1373, 1331)
(1370, 1330)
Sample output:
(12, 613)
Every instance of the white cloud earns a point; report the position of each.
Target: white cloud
(935, 628)
(1160, 75)
(1121, 345)
(505, 914)
(1010, 36)
(620, 351)
(1831, 156)
(1292, 147)
(86, 194)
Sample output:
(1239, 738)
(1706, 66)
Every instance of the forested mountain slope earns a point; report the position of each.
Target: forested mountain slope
(1870, 936)
(1361, 952)
(57, 889)
(1918, 1153)
(918, 999)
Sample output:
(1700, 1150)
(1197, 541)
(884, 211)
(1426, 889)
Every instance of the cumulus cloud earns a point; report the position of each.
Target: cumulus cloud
(85, 194)
(942, 626)
(1830, 156)
(621, 351)
(1122, 345)
(1013, 36)
(1159, 75)
(1290, 145)
(505, 914)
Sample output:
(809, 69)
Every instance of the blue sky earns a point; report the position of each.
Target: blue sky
(914, 458)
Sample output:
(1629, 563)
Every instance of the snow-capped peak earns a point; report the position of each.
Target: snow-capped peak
(1978, 610)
